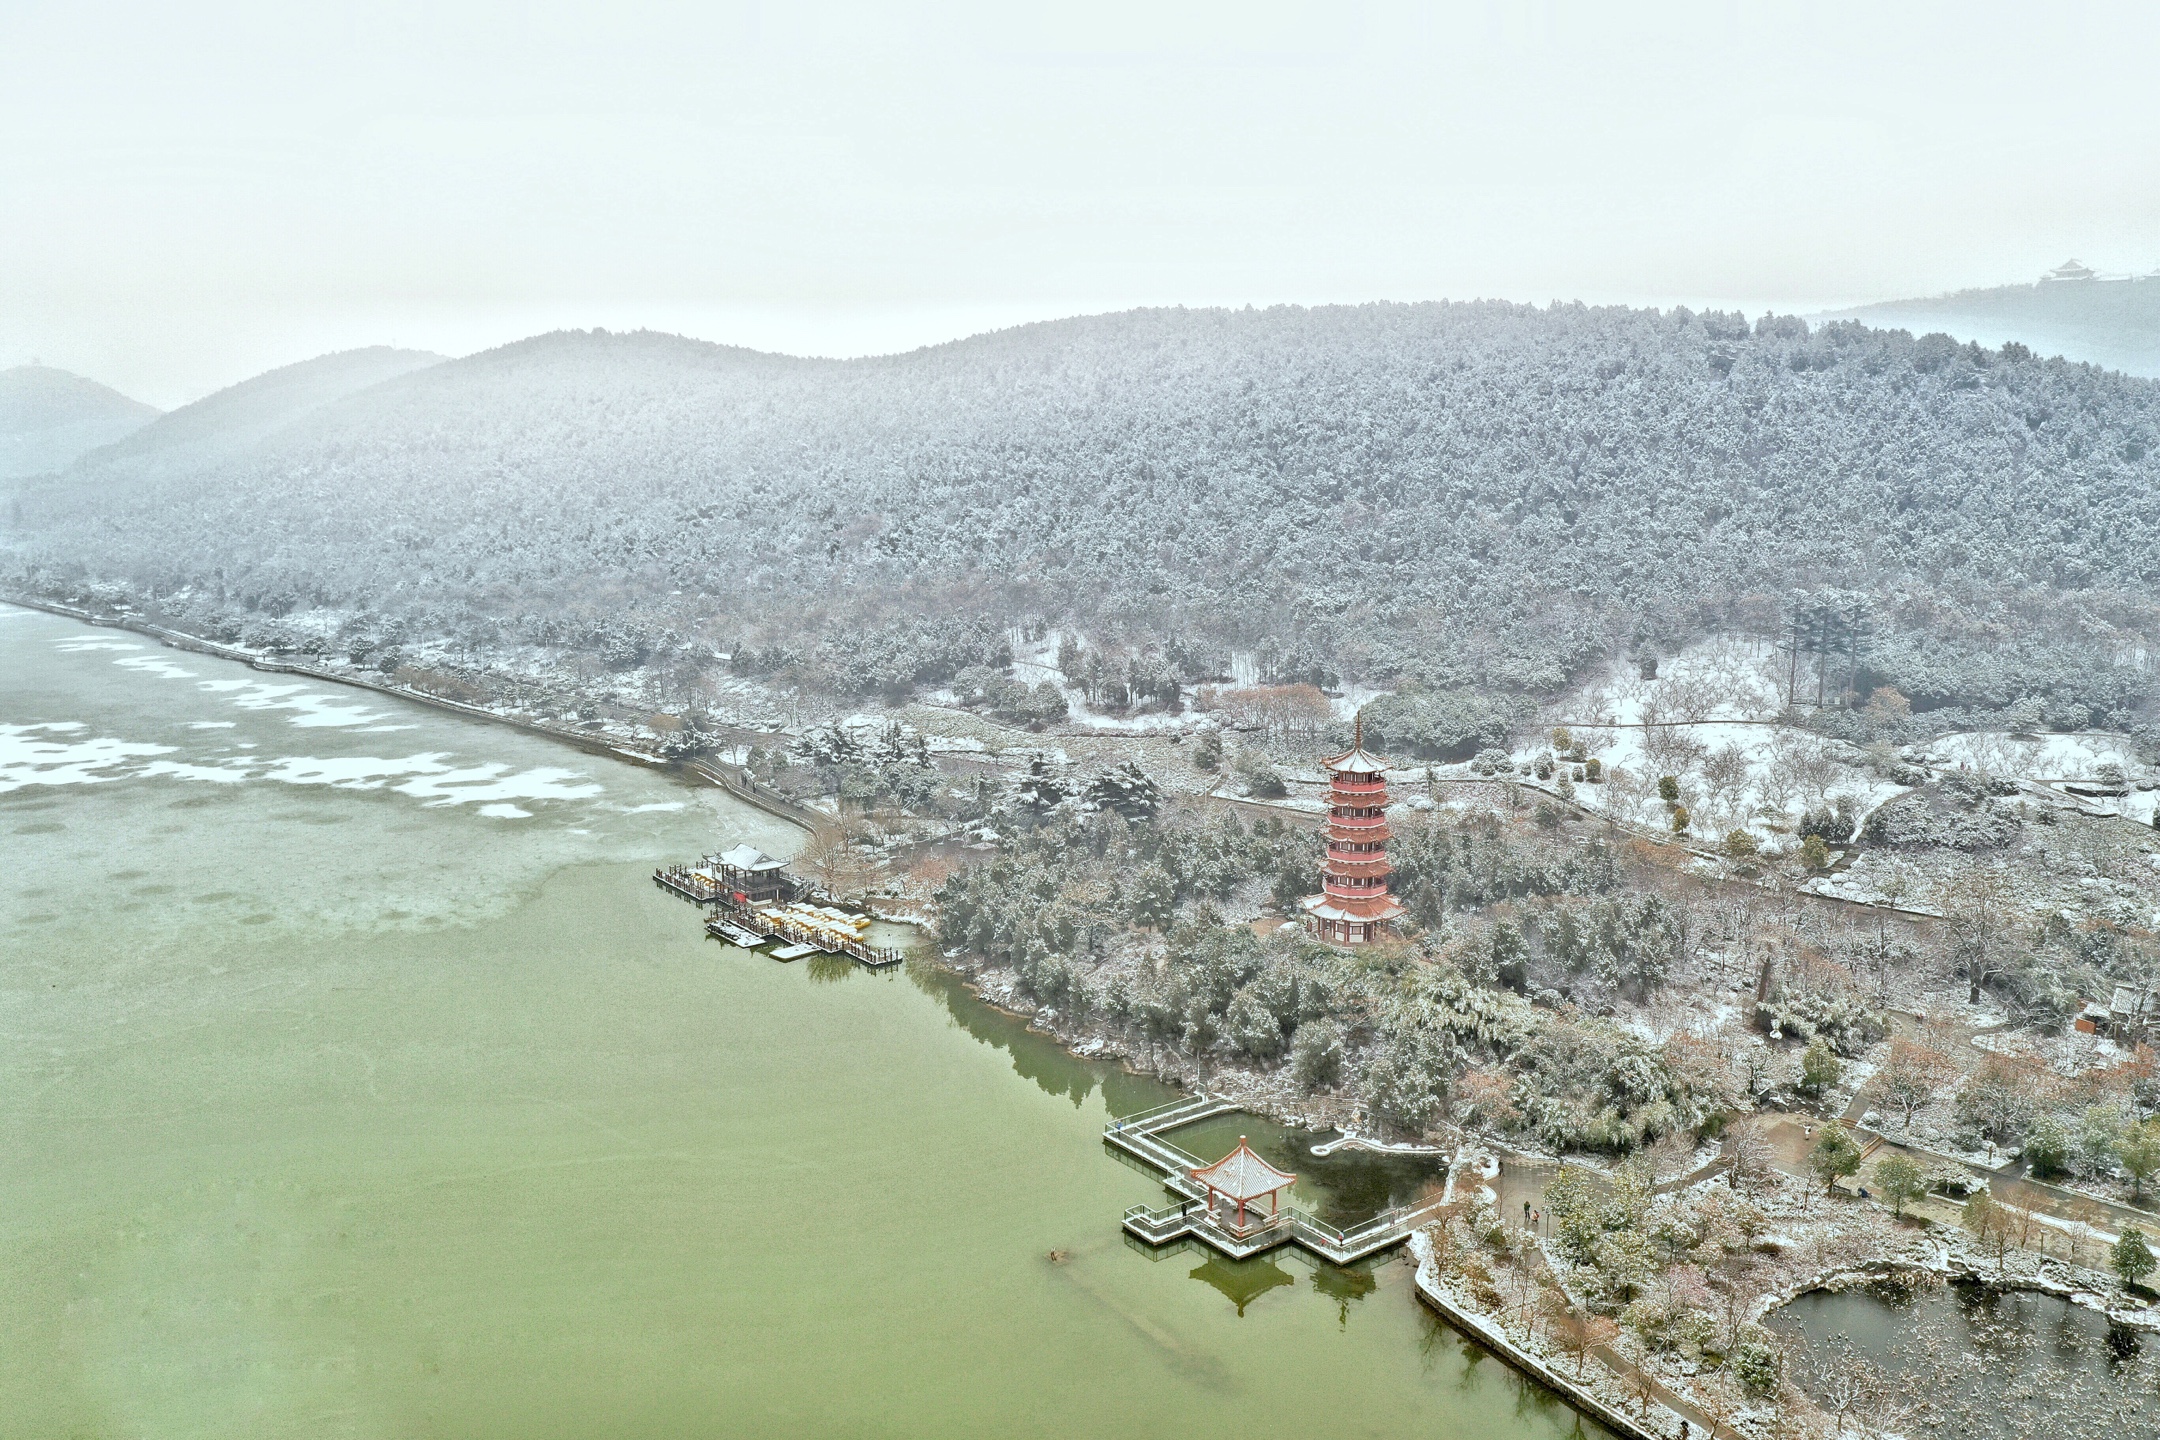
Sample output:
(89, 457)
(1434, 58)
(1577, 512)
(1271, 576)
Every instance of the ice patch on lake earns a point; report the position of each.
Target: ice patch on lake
(181, 770)
(77, 647)
(427, 777)
(31, 755)
(212, 724)
(501, 811)
(490, 782)
(656, 805)
(152, 665)
(313, 708)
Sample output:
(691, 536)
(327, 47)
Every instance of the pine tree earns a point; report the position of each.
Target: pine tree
(1835, 1156)
(1038, 791)
(2133, 1258)
(1127, 790)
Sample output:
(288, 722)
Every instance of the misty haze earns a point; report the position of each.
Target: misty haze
(846, 721)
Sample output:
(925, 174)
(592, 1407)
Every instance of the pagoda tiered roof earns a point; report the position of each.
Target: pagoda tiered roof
(1356, 761)
(1380, 908)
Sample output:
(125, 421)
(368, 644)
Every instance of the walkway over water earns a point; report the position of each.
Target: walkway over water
(1141, 1137)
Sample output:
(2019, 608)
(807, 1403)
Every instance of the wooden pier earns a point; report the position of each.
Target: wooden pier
(1141, 1137)
(729, 918)
(749, 926)
(694, 884)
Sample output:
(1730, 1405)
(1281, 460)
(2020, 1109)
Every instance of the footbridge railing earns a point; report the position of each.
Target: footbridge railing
(1140, 1136)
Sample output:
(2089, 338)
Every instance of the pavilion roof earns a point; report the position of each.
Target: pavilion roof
(1242, 1175)
(749, 857)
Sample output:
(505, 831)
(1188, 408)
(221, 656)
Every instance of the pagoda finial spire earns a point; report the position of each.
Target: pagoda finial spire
(1358, 721)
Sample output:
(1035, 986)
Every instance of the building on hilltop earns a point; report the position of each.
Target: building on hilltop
(1353, 905)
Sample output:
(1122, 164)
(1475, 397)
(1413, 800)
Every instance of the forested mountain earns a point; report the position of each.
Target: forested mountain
(2115, 323)
(49, 417)
(1482, 495)
(219, 428)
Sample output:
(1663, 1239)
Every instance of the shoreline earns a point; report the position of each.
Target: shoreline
(180, 640)
(1171, 1067)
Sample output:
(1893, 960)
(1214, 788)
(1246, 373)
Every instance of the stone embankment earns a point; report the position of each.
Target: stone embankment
(1659, 1424)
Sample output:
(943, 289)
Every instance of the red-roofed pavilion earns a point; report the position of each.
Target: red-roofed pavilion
(1243, 1177)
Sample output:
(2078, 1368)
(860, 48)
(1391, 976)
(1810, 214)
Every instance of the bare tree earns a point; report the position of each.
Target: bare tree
(1580, 1330)
(833, 862)
(1714, 1397)
(1280, 711)
(1642, 1386)
(1725, 774)
(1992, 1226)
(1749, 1154)
(1912, 1076)
(1846, 1387)
(1977, 909)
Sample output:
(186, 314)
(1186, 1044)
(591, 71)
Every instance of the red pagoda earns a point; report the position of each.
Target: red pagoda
(1353, 903)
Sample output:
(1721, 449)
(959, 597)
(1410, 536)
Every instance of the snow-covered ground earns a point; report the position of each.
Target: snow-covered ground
(1035, 663)
(2037, 757)
(1709, 720)
(1733, 775)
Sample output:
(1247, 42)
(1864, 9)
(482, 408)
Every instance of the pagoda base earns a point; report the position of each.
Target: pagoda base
(1336, 925)
(1344, 932)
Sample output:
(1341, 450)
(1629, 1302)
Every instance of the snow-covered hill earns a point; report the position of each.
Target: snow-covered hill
(49, 417)
(215, 430)
(2113, 323)
(1482, 495)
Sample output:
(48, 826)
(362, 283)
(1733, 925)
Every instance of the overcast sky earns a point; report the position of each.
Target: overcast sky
(192, 193)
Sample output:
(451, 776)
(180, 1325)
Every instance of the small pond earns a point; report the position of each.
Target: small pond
(1964, 1360)
(1341, 1188)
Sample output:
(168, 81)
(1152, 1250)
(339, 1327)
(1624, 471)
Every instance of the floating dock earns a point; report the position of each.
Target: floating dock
(1141, 1137)
(801, 927)
(695, 883)
(797, 924)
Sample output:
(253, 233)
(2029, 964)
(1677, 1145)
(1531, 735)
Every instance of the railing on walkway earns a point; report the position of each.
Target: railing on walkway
(1290, 1225)
(1141, 1137)
(693, 885)
(742, 787)
(1149, 1119)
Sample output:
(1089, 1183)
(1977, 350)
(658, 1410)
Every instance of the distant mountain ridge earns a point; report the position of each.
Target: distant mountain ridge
(49, 418)
(2110, 321)
(1485, 495)
(226, 424)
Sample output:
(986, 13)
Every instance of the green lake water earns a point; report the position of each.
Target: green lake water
(356, 1081)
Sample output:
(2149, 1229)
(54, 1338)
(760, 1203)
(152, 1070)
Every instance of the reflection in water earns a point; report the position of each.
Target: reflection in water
(1345, 1285)
(1469, 1368)
(830, 969)
(1244, 1281)
(1964, 1359)
(1039, 1057)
